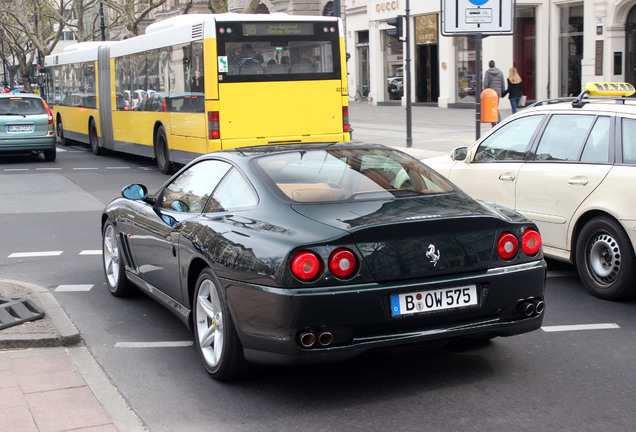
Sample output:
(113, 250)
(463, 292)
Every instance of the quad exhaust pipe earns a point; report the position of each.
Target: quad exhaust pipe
(313, 339)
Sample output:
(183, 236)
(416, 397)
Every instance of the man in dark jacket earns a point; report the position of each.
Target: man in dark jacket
(495, 80)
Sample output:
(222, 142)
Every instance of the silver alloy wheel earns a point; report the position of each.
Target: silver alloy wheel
(209, 323)
(111, 256)
(604, 258)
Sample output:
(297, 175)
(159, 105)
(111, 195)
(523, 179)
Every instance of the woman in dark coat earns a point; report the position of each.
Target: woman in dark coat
(514, 90)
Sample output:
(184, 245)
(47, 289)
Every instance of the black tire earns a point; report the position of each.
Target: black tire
(161, 152)
(59, 130)
(215, 337)
(605, 259)
(50, 155)
(94, 140)
(113, 261)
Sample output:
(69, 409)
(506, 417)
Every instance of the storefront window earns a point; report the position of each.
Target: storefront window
(524, 49)
(362, 46)
(570, 50)
(393, 68)
(465, 62)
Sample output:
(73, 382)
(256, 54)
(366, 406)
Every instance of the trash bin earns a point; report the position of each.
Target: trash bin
(489, 106)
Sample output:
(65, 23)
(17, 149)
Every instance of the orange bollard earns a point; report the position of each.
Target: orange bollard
(489, 106)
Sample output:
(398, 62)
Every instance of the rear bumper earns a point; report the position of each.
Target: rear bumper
(270, 321)
(17, 145)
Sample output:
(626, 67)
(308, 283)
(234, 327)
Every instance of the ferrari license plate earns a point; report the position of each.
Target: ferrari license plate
(20, 128)
(435, 300)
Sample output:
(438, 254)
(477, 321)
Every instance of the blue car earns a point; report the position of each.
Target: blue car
(26, 125)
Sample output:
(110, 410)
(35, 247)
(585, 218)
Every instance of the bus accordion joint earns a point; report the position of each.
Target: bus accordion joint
(214, 131)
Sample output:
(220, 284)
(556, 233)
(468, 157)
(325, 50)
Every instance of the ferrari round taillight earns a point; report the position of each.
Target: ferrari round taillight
(531, 242)
(507, 245)
(305, 265)
(342, 263)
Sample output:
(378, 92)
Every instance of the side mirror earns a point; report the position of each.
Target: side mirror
(459, 154)
(135, 192)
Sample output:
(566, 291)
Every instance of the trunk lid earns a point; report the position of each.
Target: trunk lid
(418, 237)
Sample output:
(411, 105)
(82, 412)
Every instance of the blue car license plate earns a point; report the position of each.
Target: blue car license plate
(19, 128)
(434, 300)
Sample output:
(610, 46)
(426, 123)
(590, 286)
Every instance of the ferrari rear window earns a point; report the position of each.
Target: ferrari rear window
(350, 174)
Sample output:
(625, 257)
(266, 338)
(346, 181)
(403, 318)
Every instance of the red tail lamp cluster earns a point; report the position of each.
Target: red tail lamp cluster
(508, 244)
(307, 265)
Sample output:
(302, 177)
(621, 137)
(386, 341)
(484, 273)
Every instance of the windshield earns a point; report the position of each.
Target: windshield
(350, 174)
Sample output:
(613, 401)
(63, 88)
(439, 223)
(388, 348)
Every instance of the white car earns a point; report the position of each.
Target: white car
(570, 166)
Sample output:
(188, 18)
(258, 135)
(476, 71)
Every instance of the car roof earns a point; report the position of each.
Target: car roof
(24, 95)
(607, 104)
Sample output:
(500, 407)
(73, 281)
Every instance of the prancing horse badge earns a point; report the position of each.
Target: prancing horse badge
(433, 254)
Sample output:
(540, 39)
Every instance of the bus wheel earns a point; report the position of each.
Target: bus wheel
(59, 129)
(161, 152)
(92, 137)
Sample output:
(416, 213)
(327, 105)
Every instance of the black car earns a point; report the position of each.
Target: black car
(318, 252)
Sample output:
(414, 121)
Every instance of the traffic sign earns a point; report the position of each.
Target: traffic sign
(485, 17)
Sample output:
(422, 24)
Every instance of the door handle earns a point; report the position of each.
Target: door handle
(507, 177)
(578, 181)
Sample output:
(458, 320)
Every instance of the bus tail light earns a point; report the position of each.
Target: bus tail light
(214, 131)
(345, 119)
(48, 111)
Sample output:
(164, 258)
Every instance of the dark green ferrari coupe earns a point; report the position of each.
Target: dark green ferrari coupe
(318, 252)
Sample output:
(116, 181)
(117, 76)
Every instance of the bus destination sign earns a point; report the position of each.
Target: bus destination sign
(278, 29)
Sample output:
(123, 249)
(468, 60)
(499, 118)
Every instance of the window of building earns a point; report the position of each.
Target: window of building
(570, 49)
(465, 61)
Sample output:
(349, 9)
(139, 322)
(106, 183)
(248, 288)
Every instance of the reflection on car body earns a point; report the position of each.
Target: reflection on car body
(306, 253)
(569, 165)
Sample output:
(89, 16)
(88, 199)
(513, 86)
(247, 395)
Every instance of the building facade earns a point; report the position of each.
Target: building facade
(557, 46)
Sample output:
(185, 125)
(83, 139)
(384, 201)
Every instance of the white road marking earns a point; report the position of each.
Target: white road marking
(73, 288)
(561, 328)
(48, 169)
(117, 167)
(91, 252)
(34, 254)
(15, 169)
(165, 344)
(85, 168)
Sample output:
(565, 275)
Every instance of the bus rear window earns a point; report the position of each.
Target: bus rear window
(299, 56)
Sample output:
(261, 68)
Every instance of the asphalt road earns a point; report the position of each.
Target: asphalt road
(558, 378)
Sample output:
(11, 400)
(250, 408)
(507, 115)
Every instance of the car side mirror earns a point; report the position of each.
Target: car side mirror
(135, 192)
(459, 154)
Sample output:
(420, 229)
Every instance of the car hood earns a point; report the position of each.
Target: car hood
(408, 238)
(441, 164)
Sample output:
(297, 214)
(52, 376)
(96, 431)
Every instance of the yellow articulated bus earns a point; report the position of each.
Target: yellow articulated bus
(200, 83)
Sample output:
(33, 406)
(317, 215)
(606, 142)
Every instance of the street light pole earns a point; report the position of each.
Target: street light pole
(101, 20)
(409, 125)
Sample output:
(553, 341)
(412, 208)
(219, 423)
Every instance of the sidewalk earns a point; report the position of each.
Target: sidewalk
(434, 131)
(49, 382)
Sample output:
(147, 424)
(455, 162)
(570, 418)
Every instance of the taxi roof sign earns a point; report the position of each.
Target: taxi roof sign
(609, 89)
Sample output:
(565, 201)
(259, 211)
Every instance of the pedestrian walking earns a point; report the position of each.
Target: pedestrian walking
(494, 79)
(514, 90)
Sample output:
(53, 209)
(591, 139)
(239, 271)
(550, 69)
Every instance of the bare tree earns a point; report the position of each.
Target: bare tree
(29, 31)
(133, 12)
